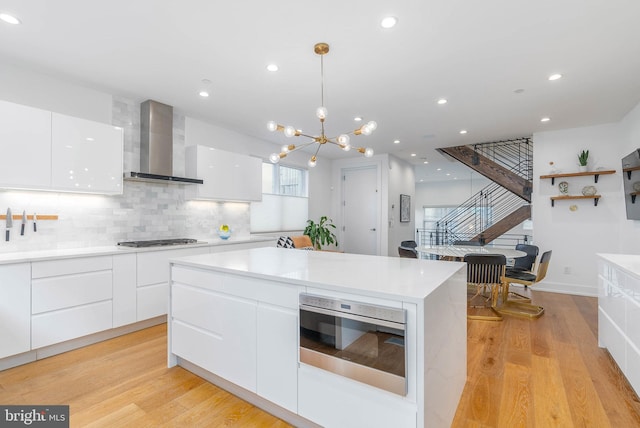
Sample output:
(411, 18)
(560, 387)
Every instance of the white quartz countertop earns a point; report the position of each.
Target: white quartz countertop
(628, 262)
(52, 254)
(379, 276)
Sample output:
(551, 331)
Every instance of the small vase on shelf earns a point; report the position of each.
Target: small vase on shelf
(582, 168)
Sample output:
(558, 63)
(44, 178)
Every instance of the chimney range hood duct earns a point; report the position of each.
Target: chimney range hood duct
(156, 146)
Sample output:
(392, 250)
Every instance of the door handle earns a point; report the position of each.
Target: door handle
(373, 230)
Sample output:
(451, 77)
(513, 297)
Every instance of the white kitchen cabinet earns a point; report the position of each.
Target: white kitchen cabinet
(152, 280)
(86, 156)
(15, 309)
(124, 289)
(619, 312)
(70, 298)
(227, 176)
(25, 138)
(232, 327)
(277, 368)
(222, 331)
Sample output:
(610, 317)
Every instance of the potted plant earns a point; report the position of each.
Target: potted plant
(321, 233)
(583, 158)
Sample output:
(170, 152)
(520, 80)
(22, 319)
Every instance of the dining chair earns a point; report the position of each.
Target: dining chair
(523, 307)
(485, 272)
(409, 244)
(407, 252)
(524, 263)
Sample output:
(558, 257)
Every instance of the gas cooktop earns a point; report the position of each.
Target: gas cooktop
(158, 242)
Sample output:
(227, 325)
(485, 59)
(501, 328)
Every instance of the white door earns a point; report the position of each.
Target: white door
(360, 210)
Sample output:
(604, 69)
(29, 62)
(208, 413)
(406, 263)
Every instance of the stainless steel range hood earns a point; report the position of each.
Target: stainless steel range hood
(156, 146)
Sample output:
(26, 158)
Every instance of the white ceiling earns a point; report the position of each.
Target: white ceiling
(476, 54)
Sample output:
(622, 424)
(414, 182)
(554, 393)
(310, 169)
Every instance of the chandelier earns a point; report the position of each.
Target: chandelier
(342, 140)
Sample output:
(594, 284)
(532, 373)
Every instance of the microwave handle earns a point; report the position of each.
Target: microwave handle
(354, 317)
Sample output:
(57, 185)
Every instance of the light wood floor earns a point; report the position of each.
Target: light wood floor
(543, 373)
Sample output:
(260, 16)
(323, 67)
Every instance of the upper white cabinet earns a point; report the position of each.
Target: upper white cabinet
(86, 155)
(227, 176)
(42, 150)
(25, 139)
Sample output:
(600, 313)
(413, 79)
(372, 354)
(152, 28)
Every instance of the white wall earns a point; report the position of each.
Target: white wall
(34, 89)
(401, 181)
(446, 193)
(630, 137)
(575, 236)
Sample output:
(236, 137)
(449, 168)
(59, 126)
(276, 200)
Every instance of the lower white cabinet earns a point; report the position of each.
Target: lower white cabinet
(15, 309)
(232, 327)
(334, 401)
(152, 280)
(223, 327)
(619, 313)
(277, 368)
(70, 298)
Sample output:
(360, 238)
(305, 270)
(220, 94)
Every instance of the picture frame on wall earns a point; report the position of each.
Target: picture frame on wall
(405, 208)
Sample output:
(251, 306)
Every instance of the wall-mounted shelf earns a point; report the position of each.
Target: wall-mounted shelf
(30, 217)
(565, 197)
(595, 174)
(630, 170)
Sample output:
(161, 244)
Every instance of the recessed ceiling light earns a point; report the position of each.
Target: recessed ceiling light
(439, 169)
(396, 141)
(357, 118)
(413, 154)
(9, 19)
(204, 94)
(442, 101)
(545, 119)
(421, 180)
(555, 76)
(388, 22)
(425, 162)
(448, 174)
(463, 131)
(272, 67)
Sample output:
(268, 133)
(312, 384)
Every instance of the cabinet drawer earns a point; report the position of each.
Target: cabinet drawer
(262, 290)
(215, 354)
(60, 292)
(211, 311)
(70, 266)
(66, 324)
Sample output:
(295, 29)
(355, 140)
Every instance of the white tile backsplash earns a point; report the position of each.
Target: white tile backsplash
(143, 211)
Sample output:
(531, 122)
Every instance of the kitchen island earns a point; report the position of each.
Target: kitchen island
(234, 319)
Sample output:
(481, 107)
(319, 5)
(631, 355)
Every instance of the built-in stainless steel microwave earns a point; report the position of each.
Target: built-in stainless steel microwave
(360, 341)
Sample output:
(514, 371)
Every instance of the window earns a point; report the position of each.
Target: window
(284, 180)
(285, 202)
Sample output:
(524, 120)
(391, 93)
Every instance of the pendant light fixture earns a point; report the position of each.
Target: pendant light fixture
(342, 140)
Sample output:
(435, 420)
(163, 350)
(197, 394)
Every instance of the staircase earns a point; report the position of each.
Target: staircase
(501, 205)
